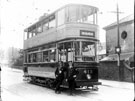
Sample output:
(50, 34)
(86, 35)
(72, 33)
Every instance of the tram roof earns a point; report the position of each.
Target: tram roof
(56, 11)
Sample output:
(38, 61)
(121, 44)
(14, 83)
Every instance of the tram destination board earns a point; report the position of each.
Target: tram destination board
(87, 33)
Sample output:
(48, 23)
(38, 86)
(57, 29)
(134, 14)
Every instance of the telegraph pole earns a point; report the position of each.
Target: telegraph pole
(118, 48)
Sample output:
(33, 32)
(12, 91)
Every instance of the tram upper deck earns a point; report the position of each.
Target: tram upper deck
(70, 21)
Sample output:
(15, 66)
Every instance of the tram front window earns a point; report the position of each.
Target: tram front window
(82, 14)
(80, 51)
(84, 51)
(88, 51)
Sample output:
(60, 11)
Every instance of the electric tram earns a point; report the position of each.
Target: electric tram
(68, 34)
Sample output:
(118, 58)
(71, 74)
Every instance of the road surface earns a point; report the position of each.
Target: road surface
(15, 89)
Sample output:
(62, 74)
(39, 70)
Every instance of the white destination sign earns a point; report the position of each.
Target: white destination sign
(87, 33)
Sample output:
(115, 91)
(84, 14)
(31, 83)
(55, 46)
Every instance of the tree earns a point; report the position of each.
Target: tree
(19, 60)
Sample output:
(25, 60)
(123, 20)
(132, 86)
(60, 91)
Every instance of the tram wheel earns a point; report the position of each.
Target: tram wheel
(50, 83)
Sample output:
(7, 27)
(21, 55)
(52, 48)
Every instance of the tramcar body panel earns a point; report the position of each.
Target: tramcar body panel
(46, 72)
(83, 68)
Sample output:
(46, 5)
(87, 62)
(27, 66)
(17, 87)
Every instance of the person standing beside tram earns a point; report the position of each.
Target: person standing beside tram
(71, 75)
(59, 74)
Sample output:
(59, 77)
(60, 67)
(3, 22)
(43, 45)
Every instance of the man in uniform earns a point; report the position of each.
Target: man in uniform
(59, 74)
(71, 75)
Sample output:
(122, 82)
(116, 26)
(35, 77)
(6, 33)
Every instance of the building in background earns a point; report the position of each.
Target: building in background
(109, 68)
(126, 30)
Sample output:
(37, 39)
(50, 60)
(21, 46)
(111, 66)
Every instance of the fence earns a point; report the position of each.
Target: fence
(109, 70)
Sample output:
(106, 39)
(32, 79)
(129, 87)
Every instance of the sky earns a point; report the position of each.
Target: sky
(16, 15)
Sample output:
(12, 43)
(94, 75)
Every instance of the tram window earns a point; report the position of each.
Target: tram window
(52, 23)
(72, 14)
(61, 17)
(45, 56)
(29, 58)
(69, 48)
(87, 15)
(25, 57)
(90, 19)
(45, 27)
(77, 51)
(30, 34)
(66, 51)
(49, 56)
(39, 57)
(34, 34)
(53, 55)
(34, 57)
(62, 55)
(82, 14)
(25, 35)
(88, 51)
(77, 48)
(70, 56)
(95, 18)
(39, 29)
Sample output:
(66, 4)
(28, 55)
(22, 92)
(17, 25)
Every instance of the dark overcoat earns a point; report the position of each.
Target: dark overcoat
(71, 74)
(59, 74)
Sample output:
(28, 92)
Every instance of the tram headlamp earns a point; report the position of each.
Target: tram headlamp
(88, 76)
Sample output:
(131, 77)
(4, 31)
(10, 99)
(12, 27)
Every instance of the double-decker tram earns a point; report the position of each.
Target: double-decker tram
(68, 34)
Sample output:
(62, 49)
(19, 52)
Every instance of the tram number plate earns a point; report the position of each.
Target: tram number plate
(87, 33)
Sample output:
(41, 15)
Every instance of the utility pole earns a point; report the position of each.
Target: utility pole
(118, 47)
